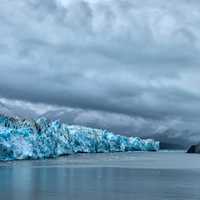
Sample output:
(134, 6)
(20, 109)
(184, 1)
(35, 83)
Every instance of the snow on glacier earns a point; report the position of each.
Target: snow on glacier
(30, 139)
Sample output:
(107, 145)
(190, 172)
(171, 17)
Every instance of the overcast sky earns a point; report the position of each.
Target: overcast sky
(127, 65)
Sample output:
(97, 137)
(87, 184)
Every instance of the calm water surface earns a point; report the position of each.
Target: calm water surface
(119, 176)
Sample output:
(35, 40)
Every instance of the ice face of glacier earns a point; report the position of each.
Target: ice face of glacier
(29, 139)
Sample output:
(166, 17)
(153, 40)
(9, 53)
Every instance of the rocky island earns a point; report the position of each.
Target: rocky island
(194, 149)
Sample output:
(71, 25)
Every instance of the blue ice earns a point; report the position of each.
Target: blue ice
(37, 139)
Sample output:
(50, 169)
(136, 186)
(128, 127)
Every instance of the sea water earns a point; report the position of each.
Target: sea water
(113, 176)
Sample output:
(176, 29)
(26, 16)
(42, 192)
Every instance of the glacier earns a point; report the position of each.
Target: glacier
(37, 139)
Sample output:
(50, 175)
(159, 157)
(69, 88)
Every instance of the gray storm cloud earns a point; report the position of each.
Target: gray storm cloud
(130, 66)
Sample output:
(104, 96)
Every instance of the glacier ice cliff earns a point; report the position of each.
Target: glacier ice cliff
(36, 139)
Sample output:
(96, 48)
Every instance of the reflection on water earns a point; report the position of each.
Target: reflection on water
(35, 183)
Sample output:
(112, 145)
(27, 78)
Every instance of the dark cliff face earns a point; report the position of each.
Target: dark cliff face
(194, 149)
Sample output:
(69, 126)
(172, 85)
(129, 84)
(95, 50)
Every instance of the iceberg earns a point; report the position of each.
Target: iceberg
(37, 139)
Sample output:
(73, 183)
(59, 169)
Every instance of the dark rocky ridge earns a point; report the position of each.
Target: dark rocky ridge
(194, 149)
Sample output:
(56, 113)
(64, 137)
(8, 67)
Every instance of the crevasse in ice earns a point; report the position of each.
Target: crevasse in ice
(30, 139)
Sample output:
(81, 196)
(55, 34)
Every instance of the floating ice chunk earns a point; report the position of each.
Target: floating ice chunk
(29, 139)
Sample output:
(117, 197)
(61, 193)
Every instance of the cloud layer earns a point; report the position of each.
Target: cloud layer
(127, 65)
